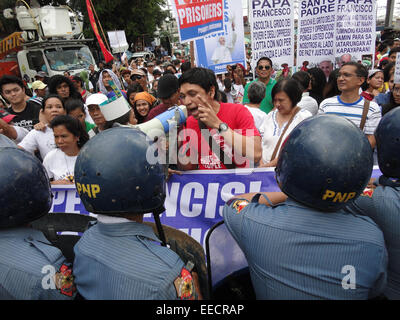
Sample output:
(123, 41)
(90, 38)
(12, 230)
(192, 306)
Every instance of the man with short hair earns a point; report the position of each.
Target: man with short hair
(263, 71)
(350, 104)
(393, 54)
(140, 77)
(41, 76)
(230, 125)
(168, 92)
(27, 112)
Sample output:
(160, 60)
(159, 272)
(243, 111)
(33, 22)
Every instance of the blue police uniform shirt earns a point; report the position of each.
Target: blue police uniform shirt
(295, 252)
(383, 206)
(27, 265)
(124, 261)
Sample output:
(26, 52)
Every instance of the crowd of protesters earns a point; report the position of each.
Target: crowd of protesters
(234, 121)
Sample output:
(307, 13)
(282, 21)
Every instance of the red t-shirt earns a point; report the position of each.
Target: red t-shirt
(238, 118)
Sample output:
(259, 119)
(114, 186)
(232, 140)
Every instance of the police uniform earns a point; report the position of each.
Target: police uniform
(383, 203)
(309, 247)
(295, 252)
(119, 258)
(125, 261)
(28, 266)
(383, 206)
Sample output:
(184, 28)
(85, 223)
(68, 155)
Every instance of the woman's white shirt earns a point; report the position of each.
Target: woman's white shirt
(58, 165)
(272, 132)
(39, 140)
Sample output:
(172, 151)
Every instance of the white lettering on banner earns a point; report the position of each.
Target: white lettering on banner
(72, 200)
(272, 31)
(186, 199)
(212, 198)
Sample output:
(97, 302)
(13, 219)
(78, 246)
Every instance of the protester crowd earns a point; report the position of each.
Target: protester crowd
(248, 120)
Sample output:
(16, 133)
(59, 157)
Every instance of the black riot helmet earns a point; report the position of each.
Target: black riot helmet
(113, 175)
(387, 136)
(25, 192)
(325, 162)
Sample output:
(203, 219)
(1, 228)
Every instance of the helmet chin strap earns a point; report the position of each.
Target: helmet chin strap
(160, 229)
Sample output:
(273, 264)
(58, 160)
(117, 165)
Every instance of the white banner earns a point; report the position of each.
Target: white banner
(272, 31)
(118, 41)
(355, 31)
(333, 32)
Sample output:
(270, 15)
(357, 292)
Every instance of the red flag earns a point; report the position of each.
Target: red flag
(107, 55)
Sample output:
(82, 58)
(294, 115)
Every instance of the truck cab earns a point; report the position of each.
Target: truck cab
(51, 40)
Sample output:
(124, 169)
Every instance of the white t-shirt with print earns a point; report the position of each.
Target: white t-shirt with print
(39, 140)
(59, 166)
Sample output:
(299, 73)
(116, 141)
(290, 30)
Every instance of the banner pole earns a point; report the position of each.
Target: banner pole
(192, 54)
(101, 28)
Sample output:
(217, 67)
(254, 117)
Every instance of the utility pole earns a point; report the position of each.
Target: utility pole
(389, 13)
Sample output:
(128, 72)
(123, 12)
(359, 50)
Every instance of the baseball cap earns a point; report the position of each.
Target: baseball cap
(6, 116)
(41, 74)
(38, 85)
(138, 72)
(167, 86)
(96, 98)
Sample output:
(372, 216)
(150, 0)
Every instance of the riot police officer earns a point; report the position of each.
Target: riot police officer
(308, 247)
(383, 203)
(120, 257)
(30, 268)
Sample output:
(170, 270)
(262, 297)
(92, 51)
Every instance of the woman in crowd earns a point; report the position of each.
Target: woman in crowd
(318, 82)
(394, 100)
(132, 91)
(256, 93)
(238, 83)
(64, 87)
(76, 109)
(69, 136)
(41, 138)
(104, 86)
(143, 103)
(285, 116)
(373, 84)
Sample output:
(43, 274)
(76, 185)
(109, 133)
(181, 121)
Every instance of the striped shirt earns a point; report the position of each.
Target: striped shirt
(295, 252)
(124, 261)
(353, 112)
(383, 206)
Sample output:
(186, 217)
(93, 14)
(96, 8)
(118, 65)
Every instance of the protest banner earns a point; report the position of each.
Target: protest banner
(217, 51)
(194, 203)
(397, 69)
(316, 34)
(118, 41)
(355, 31)
(196, 19)
(272, 31)
(331, 33)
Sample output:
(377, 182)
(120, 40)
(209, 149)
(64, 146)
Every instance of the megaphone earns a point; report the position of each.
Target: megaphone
(165, 122)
